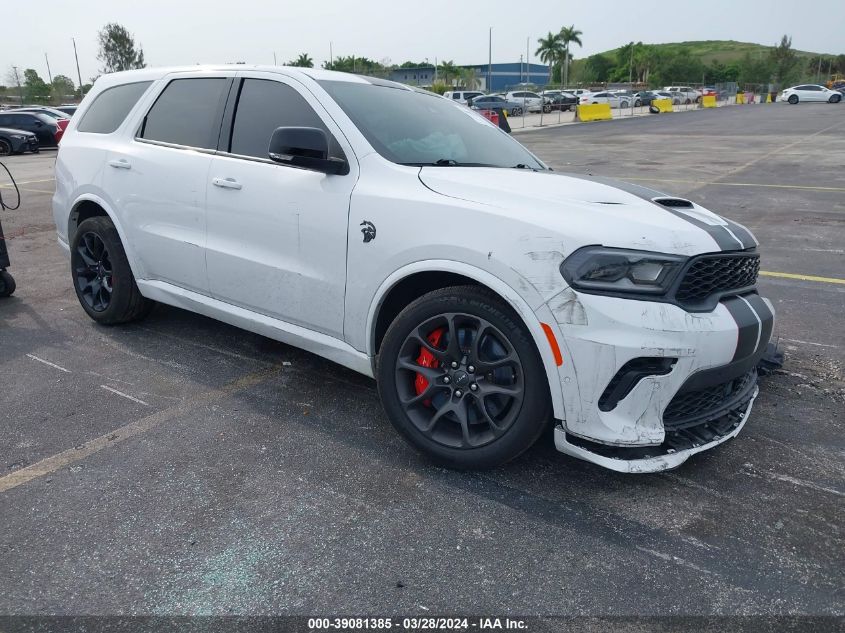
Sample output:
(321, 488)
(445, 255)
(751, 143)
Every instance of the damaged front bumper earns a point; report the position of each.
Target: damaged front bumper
(651, 459)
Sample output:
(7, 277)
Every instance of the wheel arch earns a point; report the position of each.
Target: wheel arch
(419, 278)
(89, 205)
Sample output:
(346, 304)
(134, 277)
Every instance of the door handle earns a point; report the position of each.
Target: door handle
(120, 163)
(226, 183)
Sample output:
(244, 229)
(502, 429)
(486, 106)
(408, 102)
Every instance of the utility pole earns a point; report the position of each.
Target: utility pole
(78, 74)
(331, 57)
(490, 61)
(527, 62)
(275, 63)
(49, 74)
(18, 81)
(520, 69)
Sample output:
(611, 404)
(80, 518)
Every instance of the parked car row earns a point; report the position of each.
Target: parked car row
(32, 127)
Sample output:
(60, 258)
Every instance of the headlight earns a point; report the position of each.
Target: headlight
(601, 270)
(19, 137)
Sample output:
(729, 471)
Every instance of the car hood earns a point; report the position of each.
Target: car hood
(589, 210)
(9, 130)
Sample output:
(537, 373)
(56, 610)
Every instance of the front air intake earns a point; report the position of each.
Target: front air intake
(629, 375)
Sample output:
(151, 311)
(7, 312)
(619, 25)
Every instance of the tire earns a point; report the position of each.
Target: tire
(547, 108)
(516, 112)
(623, 105)
(687, 102)
(470, 407)
(793, 99)
(7, 284)
(638, 103)
(835, 99)
(102, 277)
(5, 147)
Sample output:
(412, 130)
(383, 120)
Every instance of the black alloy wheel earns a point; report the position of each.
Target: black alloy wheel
(461, 379)
(473, 394)
(93, 272)
(793, 99)
(5, 147)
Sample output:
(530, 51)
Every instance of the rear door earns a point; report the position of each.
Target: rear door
(277, 234)
(158, 179)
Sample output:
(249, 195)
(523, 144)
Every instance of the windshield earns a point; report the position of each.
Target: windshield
(415, 128)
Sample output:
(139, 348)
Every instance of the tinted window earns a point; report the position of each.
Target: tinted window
(110, 108)
(456, 95)
(188, 113)
(265, 105)
(416, 128)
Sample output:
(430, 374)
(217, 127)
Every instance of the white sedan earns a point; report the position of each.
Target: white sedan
(810, 92)
(615, 101)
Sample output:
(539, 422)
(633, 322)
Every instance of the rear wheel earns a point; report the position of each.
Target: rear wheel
(7, 284)
(461, 380)
(623, 105)
(793, 99)
(516, 111)
(102, 278)
(5, 147)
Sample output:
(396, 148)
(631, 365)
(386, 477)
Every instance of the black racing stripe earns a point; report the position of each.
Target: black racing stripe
(747, 327)
(723, 239)
(767, 319)
(742, 233)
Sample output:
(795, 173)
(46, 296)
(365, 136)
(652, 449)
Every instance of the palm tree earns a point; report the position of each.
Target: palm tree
(469, 78)
(550, 50)
(303, 61)
(568, 35)
(447, 71)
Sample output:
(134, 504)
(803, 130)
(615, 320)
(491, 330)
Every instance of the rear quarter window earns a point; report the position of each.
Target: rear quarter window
(110, 108)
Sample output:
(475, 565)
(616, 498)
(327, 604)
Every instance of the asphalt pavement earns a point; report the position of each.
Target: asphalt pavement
(182, 466)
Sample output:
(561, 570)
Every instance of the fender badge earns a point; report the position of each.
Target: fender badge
(368, 229)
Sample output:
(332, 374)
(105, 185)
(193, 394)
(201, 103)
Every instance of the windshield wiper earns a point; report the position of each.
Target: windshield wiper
(448, 162)
(523, 166)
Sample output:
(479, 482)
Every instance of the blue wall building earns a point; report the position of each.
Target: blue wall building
(502, 76)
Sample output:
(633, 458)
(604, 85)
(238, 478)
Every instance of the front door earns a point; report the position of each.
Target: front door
(276, 241)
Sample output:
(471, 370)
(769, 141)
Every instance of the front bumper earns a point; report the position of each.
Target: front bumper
(636, 432)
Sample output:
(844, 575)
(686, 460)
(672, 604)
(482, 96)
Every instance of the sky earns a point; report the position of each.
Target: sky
(175, 32)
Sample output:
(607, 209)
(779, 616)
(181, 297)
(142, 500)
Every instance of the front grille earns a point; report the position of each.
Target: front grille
(692, 407)
(717, 274)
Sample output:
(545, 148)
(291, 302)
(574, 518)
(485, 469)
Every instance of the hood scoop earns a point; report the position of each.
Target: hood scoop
(673, 203)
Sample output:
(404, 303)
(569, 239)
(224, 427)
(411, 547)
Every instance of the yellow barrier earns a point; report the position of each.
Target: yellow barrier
(663, 105)
(593, 112)
(740, 98)
(768, 97)
(708, 101)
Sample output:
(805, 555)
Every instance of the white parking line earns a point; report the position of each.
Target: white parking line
(48, 363)
(125, 395)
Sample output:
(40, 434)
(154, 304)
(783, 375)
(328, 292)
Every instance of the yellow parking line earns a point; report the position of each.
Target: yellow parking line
(705, 183)
(65, 458)
(826, 280)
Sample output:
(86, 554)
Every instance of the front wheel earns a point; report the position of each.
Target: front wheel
(516, 112)
(102, 277)
(638, 103)
(835, 98)
(460, 378)
(793, 99)
(623, 105)
(547, 108)
(5, 147)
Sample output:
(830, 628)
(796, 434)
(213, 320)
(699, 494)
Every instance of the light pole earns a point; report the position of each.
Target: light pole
(18, 81)
(78, 74)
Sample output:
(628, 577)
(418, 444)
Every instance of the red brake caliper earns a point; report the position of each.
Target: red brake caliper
(427, 359)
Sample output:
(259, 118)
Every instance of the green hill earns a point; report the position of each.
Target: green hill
(723, 51)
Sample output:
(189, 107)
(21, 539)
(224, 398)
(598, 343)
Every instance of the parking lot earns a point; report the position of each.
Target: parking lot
(182, 466)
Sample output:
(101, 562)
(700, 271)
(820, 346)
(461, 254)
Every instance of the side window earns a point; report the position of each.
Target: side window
(110, 108)
(188, 112)
(263, 106)
(456, 95)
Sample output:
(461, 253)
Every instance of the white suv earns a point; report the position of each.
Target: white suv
(409, 239)
(687, 94)
(531, 101)
(462, 96)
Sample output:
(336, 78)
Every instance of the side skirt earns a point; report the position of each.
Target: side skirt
(323, 345)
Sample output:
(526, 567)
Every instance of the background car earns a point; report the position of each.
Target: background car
(614, 100)
(60, 117)
(687, 93)
(491, 102)
(44, 127)
(563, 101)
(810, 92)
(462, 96)
(17, 142)
(644, 97)
(676, 97)
(68, 108)
(531, 101)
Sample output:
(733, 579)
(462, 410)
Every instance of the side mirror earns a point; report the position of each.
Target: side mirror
(305, 147)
